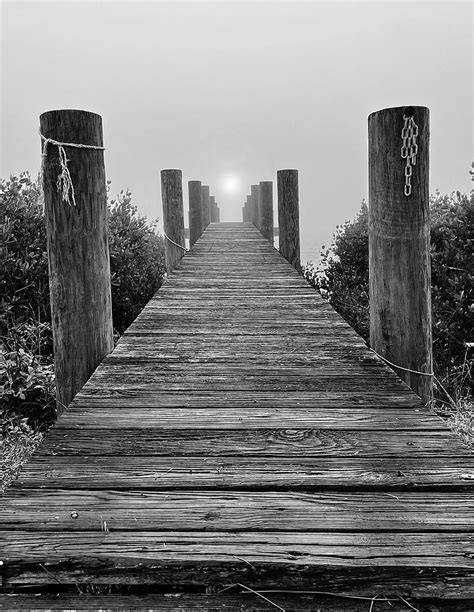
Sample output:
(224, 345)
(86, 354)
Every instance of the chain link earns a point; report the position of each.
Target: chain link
(409, 150)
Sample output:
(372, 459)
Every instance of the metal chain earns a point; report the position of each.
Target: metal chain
(409, 150)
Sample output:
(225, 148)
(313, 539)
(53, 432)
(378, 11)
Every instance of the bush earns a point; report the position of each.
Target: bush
(343, 274)
(24, 280)
(137, 269)
(342, 278)
(137, 261)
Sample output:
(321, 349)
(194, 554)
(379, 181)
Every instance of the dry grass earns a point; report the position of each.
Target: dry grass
(454, 402)
(19, 442)
(461, 421)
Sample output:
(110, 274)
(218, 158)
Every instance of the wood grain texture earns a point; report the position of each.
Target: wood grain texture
(423, 565)
(266, 210)
(74, 509)
(236, 598)
(195, 211)
(173, 216)
(399, 248)
(205, 206)
(241, 431)
(78, 252)
(289, 216)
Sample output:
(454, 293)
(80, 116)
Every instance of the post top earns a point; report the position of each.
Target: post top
(70, 110)
(408, 110)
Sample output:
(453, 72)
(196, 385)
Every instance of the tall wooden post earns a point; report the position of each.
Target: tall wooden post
(289, 216)
(266, 210)
(244, 212)
(206, 210)
(399, 243)
(254, 204)
(213, 209)
(173, 217)
(248, 209)
(195, 211)
(78, 252)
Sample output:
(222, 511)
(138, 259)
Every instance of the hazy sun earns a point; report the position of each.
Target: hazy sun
(230, 183)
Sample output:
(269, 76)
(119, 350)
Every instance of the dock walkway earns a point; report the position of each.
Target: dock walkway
(241, 437)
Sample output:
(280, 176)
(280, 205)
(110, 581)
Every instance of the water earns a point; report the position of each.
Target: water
(309, 251)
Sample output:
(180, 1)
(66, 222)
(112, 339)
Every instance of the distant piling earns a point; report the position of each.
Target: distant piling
(399, 243)
(254, 205)
(213, 209)
(195, 211)
(78, 252)
(288, 216)
(206, 209)
(266, 210)
(173, 217)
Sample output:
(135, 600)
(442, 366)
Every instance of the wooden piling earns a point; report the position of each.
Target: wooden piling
(213, 208)
(288, 216)
(78, 252)
(173, 217)
(254, 205)
(266, 210)
(399, 246)
(195, 211)
(248, 209)
(206, 209)
(218, 214)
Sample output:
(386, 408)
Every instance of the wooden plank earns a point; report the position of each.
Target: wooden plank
(342, 473)
(155, 381)
(284, 444)
(82, 509)
(422, 564)
(320, 408)
(237, 598)
(251, 417)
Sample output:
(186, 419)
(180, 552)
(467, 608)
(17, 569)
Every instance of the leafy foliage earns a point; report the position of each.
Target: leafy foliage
(343, 279)
(26, 366)
(24, 280)
(137, 262)
(452, 241)
(343, 275)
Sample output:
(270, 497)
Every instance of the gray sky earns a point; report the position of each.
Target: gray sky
(230, 92)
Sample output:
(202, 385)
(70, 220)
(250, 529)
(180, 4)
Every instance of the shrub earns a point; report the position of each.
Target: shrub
(343, 274)
(137, 261)
(342, 278)
(24, 280)
(137, 269)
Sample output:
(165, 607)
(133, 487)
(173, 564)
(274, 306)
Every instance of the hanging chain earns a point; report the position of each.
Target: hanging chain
(409, 150)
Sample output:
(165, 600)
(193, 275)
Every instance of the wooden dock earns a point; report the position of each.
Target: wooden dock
(241, 438)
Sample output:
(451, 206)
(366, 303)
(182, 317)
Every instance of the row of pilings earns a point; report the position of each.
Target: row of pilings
(75, 198)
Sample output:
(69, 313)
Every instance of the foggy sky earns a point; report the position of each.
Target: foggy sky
(241, 89)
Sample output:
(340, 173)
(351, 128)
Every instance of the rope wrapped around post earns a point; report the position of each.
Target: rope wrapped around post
(64, 183)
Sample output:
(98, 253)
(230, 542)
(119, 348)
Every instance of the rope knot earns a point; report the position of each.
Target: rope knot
(64, 183)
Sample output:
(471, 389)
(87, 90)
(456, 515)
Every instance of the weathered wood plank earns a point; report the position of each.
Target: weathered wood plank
(342, 473)
(338, 407)
(85, 510)
(237, 598)
(284, 444)
(249, 417)
(424, 565)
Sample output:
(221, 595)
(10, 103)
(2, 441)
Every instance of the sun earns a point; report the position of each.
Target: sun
(230, 183)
